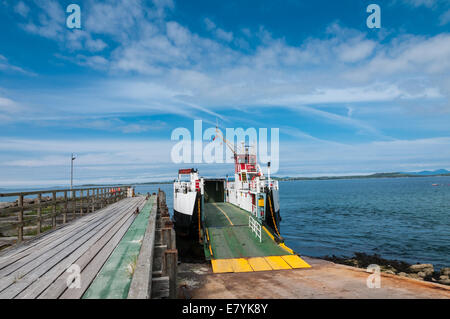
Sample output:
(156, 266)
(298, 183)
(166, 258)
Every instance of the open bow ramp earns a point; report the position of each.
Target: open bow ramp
(233, 247)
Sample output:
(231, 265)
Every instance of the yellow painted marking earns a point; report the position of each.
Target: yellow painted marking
(210, 250)
(241, 265)
(295, 261)
(286, 248)
(268, 233)
(225, 214)
(221, 265)
(259, 264)
(277, 263)
(207, 234)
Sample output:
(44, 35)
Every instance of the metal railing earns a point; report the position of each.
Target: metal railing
(33, 213)
(255, 227)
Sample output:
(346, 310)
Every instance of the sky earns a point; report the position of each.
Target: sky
(347, 99)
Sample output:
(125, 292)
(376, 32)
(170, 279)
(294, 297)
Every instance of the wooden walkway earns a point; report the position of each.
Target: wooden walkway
(46, 266)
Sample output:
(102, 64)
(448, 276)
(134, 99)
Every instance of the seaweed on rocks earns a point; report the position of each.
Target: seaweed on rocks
(418, 271)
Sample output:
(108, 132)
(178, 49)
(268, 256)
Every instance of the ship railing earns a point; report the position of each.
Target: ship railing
(255, 227)
(262, 186)
(254, 211)
(183, 187)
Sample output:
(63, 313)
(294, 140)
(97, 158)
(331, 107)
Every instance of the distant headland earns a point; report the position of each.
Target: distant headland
(439, 172)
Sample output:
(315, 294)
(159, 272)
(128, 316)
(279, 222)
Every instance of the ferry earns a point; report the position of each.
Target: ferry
(251, 191)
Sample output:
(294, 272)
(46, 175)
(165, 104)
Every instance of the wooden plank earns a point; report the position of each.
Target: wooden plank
(57, 277)
(171, 261)
(42, 268)
(54, 246)
(91, 270)
(141, 283)
(20, 220)
(160, 288)
(114, 279)
(48, 257)
(20, 248)
(20, 252)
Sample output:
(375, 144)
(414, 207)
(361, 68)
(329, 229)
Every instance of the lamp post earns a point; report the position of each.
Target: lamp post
(71, 170)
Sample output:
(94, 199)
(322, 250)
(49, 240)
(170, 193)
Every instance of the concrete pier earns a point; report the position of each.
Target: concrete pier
(323, 280)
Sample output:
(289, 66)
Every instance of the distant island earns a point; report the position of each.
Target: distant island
(439, 172)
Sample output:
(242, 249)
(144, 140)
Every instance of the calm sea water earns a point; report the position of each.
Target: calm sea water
(398, 218)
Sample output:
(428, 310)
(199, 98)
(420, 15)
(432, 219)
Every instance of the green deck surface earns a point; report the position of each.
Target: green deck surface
(237, 240)
(114, 279)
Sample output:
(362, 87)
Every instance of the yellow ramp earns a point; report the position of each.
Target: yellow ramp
(221, 266)
(259, 264)
(295, 261)
(241, 265)
(268, 263)
(277, 263)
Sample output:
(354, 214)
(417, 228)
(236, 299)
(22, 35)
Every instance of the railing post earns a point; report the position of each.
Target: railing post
(65, 208)
(54, 210)
(97, 199)
(39, 214)
(88, 198)
(81, 202)
(74, 204)
(93, 201)
(171, 260)
(20, 220)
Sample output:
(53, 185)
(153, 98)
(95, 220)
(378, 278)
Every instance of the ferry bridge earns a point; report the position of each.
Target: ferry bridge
(235, 245)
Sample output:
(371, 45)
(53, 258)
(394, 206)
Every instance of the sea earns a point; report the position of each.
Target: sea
(406, 219)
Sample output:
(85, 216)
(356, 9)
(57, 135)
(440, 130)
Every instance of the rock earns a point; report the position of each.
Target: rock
(427, 268)
(443, 277)
(353, 262)
(414, 276)
(28, 201)
(5, 205)
(403, 274)
(445, 271)
(389, 272)
(444, 281)
(388, 268)
(421, 274)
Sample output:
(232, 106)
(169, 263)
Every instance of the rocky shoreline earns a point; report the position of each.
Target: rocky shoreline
(28, 201)
(418, 271)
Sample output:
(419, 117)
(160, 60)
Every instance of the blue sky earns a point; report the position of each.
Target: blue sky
(347, 99)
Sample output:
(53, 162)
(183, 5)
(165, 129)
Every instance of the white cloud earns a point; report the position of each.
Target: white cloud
(419, 3)
(8, 67)
(218, 32)
(22, 9)
(155, 65)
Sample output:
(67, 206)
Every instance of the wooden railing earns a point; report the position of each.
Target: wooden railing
(33, 213)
